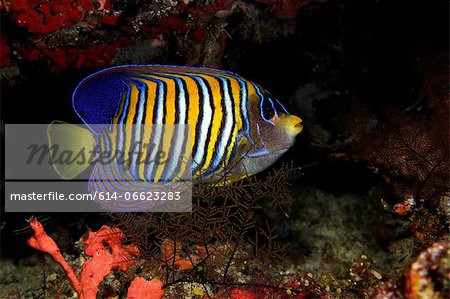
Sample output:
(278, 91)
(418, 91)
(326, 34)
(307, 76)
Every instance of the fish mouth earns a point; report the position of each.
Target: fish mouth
(298, 127)
(294, 126)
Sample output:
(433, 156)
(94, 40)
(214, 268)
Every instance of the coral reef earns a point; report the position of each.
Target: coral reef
(86, 34)
(187, 268)
(107, 251)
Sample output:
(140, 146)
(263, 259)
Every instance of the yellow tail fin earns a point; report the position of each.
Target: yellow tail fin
(68, 144)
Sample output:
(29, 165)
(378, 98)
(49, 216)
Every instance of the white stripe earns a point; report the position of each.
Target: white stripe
(157, 132)
(226, 135)
(177, 148)
(206, 120)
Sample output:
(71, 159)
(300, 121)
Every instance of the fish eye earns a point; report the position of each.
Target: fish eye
(267, 109)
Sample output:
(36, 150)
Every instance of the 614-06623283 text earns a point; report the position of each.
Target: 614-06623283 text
(106, 196)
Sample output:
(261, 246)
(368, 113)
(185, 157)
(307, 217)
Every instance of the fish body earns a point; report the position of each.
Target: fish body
(236, 128)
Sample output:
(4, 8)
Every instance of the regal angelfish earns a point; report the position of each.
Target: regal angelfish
(235, 123)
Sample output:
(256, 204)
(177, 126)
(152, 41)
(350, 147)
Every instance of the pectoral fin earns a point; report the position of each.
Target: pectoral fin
(69, 146)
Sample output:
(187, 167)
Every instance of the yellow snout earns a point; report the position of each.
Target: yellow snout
(292, 123)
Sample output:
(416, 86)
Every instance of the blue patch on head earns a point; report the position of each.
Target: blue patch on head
(97, 98)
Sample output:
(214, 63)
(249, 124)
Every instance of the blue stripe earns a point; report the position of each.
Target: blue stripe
(258, 91)
(244, 97)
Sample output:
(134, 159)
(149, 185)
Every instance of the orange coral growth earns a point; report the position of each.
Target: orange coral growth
(107, 251)
(143, 289)
(405, 207)
(170, 257)
(42, 242)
